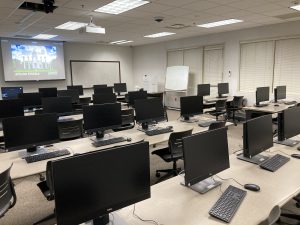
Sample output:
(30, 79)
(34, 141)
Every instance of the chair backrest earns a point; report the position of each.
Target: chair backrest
(273, 216)
(221, 105)
(217, 125)
(8, 196)
(175, 141)
(238, 101)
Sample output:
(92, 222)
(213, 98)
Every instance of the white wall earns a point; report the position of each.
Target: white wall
(80, 51)
(151, 59)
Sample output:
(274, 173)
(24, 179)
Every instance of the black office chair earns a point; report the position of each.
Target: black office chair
(220, 109)
(217, 125)
(236, 105)
(173, 153)
(46, 188)
(8, 197)
(128, 121)
(69, 130)
(85, 100)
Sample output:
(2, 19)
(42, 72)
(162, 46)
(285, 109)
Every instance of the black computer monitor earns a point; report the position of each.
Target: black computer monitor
(257, 137)
(48, 92)
(79, 88)
(11, 92)
(72, 93)
(223, 88)
(62, 106)
(205, 154)
(262, 95)
(98, 118)
(120, 87)
(78, 187)
(191, 106)
(279, 93)
(11, 108)
(134, 95)
(149, 110)
(29, 132)
(99, 86)
(203, 90)
(104, 98)
(288, 126)
(31, 100)
(104, 90)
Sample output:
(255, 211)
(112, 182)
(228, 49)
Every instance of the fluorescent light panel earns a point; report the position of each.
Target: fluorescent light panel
(220, 23)
(120, 42)
(71, 25)
(296, 7)
(44, 36)
(120, 6)
(157, 35)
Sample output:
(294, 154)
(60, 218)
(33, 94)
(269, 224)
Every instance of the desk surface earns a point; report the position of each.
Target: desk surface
(271, 108)
(188, 207)
(22, 169)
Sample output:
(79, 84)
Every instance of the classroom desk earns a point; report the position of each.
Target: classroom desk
(210, 102)
(173, 204)
(253, 111)
(22, 169)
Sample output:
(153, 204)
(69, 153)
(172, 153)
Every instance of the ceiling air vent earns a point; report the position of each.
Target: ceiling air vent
(22, 36)
(289, 16)
(177, 26)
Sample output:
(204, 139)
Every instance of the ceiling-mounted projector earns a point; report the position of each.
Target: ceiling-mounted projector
(92, 28)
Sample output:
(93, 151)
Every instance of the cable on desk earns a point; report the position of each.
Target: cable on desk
(220, 186)
(237, 151)
(281, 152)
(181, 172)
(143, 220)
(230, 179)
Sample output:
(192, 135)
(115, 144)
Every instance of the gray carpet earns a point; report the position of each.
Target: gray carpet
(31, 205)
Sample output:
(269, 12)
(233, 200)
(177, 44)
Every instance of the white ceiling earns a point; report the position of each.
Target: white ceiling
(136, 23)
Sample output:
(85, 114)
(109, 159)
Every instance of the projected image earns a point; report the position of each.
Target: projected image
(34, 60)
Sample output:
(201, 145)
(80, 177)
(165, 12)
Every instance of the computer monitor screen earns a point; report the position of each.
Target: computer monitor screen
(257, 135)
(190, 106)
(11, 92)
(72, 93)
(223, 88)
(104, 98)
(205, 154)
(262, 94)
(120, 87)
(30, 131)
(102, 117)
(203, 89)
(104, 90)
(288, 125)
(78, 188)
(60, 105)
(31, 100)
(134, 95)
(280, 93)
(48, 92)
(11, 108)
(79, 88)
(148, 110)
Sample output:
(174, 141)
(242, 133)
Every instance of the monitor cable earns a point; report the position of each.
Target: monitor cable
(230, 179)
(143, 220)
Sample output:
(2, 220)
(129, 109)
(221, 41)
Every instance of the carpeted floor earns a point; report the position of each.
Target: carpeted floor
(32, 206)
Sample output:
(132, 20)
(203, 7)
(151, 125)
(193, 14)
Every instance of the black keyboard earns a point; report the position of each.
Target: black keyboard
(159, 130)
(205, 123)
(227, 205)
(47, 155)
(274, 163)
(290, 103)
(100, 143)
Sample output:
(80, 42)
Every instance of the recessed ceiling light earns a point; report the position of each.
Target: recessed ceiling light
(157, 35)
(120, 42)
(120, 6)
(71, 25)
(296, 7)
(44, 36)
(220, 23)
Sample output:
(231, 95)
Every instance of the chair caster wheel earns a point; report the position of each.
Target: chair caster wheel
(157, 174)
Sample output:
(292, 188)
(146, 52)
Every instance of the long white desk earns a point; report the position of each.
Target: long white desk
(173, 204)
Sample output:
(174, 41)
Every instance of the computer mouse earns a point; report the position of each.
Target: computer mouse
(252, 187)
(170, 127)
(276, 105)
(128, 139)
(298, 148)
(297, 156)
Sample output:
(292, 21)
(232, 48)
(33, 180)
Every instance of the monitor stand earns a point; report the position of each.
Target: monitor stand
(33, 151)
(101, 140)
(113, 219)
(257, 159)
(205, 185)
(188, 119)
(287, 142)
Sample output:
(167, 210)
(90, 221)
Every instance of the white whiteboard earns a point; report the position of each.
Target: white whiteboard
(177, 78)
(88, 73)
